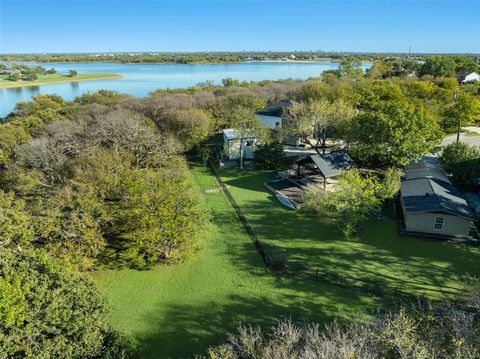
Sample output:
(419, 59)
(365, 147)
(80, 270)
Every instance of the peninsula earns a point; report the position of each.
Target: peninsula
(21, 75)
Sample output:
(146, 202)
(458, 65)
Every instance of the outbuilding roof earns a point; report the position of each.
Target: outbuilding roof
(231, 134)
(427, 167)
(277, 109)
(330, 164)
(430, 195)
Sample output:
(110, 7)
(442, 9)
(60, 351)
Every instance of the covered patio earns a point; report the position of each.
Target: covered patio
(323, 168)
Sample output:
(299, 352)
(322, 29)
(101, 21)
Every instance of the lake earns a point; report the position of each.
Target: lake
(141, 79)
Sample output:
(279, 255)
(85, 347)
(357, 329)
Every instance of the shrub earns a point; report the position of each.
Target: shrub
(269, 156)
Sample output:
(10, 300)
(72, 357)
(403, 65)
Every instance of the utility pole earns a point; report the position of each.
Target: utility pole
(455, 95)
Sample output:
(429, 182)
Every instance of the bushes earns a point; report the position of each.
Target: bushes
(413, 330)
(269, 156)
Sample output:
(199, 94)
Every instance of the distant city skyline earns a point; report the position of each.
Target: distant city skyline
(234, 26)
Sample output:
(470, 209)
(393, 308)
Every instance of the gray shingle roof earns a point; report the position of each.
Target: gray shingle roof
(429, 195)
(427, 167)
(330, 164)
(277, 109)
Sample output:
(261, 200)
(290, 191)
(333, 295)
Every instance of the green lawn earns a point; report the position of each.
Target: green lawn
(178, 311)
(413, 265)
(53, 78)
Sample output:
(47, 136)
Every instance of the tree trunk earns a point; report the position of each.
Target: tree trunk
(241, 153)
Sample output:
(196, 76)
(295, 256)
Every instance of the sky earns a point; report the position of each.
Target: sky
(262, 25)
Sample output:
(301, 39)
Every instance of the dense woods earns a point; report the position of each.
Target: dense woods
(108, 172)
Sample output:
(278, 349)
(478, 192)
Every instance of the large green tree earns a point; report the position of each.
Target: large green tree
(315, 120)
(355, 199)
(438, 66)
(462, 161)
(49, 311)
(390, 129)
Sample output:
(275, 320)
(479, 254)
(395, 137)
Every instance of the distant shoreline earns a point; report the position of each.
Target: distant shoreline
(174, 63)
(6, 84)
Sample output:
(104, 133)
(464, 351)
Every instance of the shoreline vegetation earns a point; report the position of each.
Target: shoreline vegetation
(203, 58)
(53, 79)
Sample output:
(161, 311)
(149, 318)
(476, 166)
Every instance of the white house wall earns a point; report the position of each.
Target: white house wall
(271, 121)
(232, 149)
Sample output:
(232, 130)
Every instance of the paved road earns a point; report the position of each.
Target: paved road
(471, 140)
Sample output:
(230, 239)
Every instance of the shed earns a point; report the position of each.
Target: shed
(231, 145)
(433, 207)
(329, 165)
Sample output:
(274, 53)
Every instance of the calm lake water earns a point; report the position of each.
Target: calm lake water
(141, 79)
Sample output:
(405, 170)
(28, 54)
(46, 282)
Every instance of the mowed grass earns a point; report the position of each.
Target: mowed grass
(379, 253)
(53, 78)
(179, 311)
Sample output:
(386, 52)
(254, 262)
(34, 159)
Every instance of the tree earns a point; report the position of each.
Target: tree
(16, 229)
(438, 66)
(163, 216)
(48, 310)
(390, 129)
(14, 75)
(11, 135)
(72, 73)
(463, 110)
(70, 225)
(316, 120)
(190, 126)
(227, 82)
(355, 198)
(462, 161)
(246, 125)
(269, 156)
(350, 67)
(31, 76)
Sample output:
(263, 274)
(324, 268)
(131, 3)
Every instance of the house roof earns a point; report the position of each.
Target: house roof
(231, 134)
(427, 167)
(330, 164)
(430, 195)
(461, 75)
(277, 109)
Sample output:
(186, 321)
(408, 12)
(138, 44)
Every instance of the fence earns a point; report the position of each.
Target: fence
(305, 271)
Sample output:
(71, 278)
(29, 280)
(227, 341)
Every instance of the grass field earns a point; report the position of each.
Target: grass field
(179, 311)
(53, 78)
(413, 265)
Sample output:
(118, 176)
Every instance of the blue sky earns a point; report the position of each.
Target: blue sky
(100, 26)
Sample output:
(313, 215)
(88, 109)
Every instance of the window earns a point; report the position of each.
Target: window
(249, 143)
(277, 124)
(439, 221)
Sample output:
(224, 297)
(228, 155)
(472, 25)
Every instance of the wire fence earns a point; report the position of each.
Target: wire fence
(280, 267)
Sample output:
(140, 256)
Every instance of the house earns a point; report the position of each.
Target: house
(430, 204)
(433, 207)
(328, 166)
(273, 117)
(231, 145)
(468, 77)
